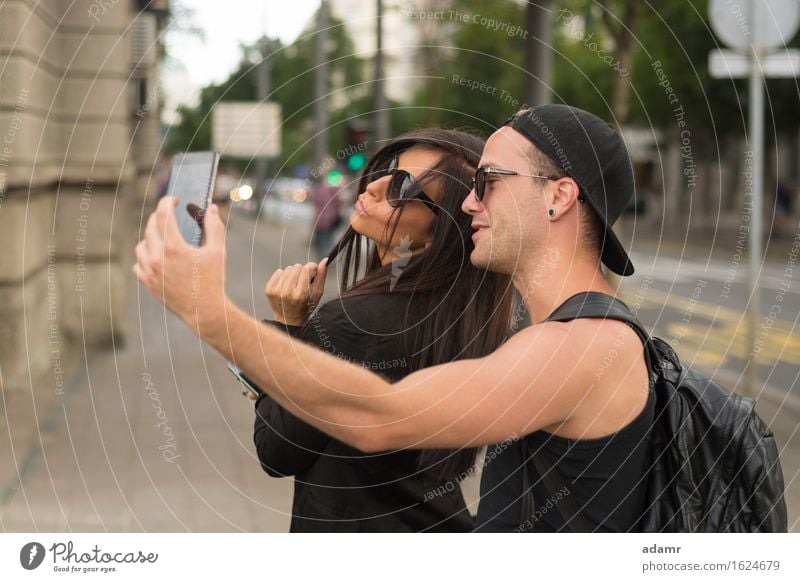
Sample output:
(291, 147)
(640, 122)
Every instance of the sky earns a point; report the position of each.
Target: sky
(226, 24)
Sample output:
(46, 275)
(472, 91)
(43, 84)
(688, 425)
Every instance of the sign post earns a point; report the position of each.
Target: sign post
(752, 28)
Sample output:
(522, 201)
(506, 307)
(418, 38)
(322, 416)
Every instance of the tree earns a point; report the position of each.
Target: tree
(620, 18)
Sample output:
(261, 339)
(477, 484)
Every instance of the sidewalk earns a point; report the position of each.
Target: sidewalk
(154, 435)
(720, 242)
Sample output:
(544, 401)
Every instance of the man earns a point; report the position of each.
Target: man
(572, 398)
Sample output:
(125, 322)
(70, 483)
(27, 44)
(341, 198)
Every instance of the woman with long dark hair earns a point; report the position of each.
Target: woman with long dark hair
(410, 301)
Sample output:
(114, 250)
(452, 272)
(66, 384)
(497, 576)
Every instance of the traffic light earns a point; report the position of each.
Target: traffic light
(335, 178)
(356, 161)
(355, 152)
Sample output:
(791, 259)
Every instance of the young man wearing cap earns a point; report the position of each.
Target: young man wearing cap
(572, 398)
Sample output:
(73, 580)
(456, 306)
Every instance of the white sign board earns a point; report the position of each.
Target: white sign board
(762, 23)
(247, 129)
(723, 64)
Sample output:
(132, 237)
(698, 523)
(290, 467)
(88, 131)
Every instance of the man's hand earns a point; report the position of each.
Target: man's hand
(188, 280)
(291, 293)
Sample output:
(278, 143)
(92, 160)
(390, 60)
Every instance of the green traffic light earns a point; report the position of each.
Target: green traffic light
(335, 178)
(356, 162)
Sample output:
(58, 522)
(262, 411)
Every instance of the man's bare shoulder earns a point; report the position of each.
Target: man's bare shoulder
(602, 360)
(597, 332)
(581, 343)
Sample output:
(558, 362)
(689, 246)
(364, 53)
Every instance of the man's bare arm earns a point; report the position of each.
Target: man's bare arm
(464, 403)
(339, 398)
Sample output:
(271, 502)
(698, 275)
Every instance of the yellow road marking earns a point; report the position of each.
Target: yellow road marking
(777, 340)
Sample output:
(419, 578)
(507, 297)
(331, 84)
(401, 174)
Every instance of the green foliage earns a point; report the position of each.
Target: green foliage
(677, 36)
(673, 40)
(491, 59)
(674, 33)
(580, 77)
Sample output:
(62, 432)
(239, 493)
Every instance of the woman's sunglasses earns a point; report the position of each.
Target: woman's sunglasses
(403, 188)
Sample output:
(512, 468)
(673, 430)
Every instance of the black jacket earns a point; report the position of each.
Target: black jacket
(338, 488)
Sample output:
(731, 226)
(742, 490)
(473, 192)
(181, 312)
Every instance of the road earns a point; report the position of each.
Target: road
(699, 306)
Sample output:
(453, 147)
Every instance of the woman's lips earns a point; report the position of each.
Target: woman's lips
(360, 207)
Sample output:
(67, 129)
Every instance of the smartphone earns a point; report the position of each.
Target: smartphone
(192, 182)
(246, 382)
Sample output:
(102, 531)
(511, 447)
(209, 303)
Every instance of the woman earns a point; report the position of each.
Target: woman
(416, 302)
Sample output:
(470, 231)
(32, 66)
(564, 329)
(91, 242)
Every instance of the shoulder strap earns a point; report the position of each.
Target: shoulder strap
(596, 305)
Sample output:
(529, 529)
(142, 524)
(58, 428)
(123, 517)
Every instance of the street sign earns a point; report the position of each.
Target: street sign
(247, 129)
(724, 64)
(764, 23)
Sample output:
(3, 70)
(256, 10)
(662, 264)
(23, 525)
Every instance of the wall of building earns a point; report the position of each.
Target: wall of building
(68, 174)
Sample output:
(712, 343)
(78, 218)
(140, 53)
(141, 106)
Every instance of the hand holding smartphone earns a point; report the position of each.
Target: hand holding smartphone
(245, 381)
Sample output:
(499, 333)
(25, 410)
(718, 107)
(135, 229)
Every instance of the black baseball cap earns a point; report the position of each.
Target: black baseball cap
(591, 152)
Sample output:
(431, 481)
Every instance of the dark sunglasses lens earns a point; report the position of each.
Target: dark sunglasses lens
(397, 188)
(480, 184)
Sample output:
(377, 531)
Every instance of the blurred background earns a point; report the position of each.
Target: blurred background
(115, 418)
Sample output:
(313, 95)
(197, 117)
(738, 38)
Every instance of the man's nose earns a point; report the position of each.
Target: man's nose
(470, 205)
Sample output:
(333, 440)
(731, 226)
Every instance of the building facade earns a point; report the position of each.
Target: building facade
(400, 37)
(79, 136)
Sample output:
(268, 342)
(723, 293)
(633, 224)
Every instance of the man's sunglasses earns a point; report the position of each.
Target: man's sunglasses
(403, 188)
(479, 181)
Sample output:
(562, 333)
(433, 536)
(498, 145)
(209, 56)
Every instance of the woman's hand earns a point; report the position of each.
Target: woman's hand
(292, 295)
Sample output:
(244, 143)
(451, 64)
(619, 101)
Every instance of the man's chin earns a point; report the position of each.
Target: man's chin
(480, 261)
(491, 263)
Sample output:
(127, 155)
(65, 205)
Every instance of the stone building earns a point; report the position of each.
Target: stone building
(79, 137)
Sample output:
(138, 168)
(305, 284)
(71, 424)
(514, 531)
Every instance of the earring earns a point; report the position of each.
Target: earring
(551, 212)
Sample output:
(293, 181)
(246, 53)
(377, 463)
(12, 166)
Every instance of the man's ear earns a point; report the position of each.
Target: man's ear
(565, 196)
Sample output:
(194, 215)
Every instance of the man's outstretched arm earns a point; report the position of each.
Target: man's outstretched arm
(465, 403)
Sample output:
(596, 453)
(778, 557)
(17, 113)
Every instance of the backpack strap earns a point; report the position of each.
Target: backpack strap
(596, 305)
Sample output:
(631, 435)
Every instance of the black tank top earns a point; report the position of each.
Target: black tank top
(604, 478)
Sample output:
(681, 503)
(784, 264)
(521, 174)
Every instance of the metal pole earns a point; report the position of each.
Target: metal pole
(381, 132)
(264, 88)
(538, 54)
(756, 123)
(320, 73)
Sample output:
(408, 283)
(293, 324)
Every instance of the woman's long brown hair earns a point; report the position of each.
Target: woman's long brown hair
(457, 311)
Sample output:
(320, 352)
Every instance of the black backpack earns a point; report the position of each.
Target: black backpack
(715, 465)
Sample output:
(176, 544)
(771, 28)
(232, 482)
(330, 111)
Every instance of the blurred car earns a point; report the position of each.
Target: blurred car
(289, 189)
(288, 201)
